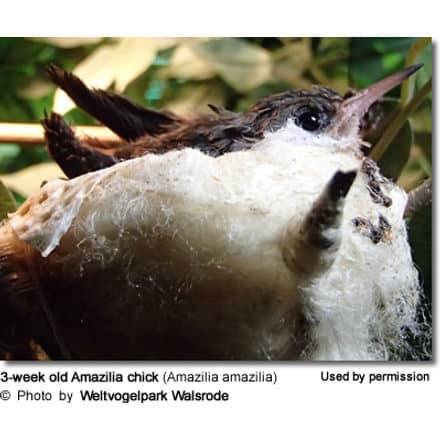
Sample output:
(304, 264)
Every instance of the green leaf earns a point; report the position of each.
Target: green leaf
(28, 180)
(8, 154)
(118, 63)
(372, 59)
(398, 121)
(426, 72)
(397, 154)
(19, 198)
(290, 62)
(395, 158)
(415, 52)
(14, 157)
(7, 201)
(244, 66)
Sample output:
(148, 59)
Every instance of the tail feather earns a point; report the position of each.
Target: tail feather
(125, 118)
(74, 157)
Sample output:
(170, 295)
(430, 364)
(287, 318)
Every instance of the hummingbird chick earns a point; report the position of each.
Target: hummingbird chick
(265, 234)
(319, 111)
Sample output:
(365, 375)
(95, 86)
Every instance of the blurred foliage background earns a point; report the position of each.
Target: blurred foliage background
(185, 74)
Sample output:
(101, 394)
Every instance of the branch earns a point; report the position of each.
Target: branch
(33, 134)
(418, 198)
(397, 123)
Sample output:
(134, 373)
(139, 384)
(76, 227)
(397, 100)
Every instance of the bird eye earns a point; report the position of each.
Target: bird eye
(310, 120)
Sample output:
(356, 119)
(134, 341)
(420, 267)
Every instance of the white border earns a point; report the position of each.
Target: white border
(300, 405)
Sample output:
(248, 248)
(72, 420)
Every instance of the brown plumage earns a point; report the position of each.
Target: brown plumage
(152, 131)
(127, 119)
(75, 157)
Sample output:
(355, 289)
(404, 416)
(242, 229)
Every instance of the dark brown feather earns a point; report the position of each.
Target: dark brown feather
(128, 120)
(151, 131)
(227, 131)
(73, 157)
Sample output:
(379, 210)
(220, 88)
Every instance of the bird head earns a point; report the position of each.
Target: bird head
(321, 114)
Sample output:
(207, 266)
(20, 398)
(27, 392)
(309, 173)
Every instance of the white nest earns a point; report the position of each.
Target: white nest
(203, 237)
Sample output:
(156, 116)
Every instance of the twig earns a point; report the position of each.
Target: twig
(397, 123)
(33, 134)
(418, 198)
(414, 52)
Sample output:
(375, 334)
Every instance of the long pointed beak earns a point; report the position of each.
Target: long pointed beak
(362, 100)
